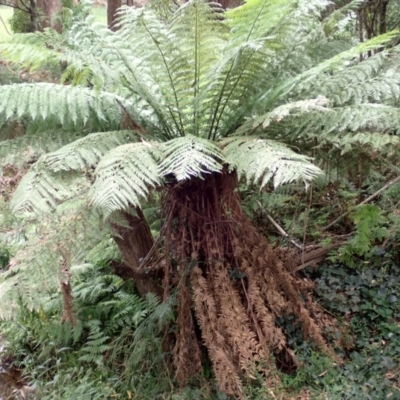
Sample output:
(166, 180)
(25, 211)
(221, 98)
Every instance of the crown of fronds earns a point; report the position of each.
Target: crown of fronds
(193, 79)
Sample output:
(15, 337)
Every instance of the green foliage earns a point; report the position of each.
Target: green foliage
(368, 301)
(208, 84)
(367, 306)
(262, 160)
(114, 327)
(204, 83)
(368, 220)
(20, 22)
(67, 103)
(247, 93)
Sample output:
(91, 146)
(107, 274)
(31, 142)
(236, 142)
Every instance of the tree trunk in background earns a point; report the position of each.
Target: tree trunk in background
(383, 16)
(34, 16)
(112, 7)
(135, 243)
(48, 10)
(230, 3)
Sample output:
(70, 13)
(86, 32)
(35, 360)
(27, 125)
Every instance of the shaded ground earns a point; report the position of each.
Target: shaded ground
(8, 379)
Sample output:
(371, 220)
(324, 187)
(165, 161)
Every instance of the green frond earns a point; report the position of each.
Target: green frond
(67, 103)
(352, 118)
(299, 85)
(279, 113)
(124, 175)
(87, 151)
(40, 190)
(260, 160)
(190, 156)
(247, 72)
(33, 50)
(35, 272)
(23, 149)
(369, 81)
(366, 141)
(331, 23)
(258, 18)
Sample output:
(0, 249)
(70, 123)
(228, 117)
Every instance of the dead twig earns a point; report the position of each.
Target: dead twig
(5, 26)
(367, 200)
(315, 256)
(279, 228)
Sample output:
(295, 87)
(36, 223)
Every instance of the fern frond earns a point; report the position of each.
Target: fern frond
(33, 50)
(261, 160)
(124, 175)
(32, 145)
(284, 111)
(303, 81)
(67, 103)
(35, 272)
(190, 156)
(364, 141)
(40, 191)
(258, 18)
(370, 81)
(86, 152)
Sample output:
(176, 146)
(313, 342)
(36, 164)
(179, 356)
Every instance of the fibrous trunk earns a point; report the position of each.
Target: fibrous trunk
(229, 282)
(135, 241)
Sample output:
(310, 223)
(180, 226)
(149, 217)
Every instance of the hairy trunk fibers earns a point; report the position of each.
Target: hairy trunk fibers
(66, 289)
(231, 282)
(135, 242)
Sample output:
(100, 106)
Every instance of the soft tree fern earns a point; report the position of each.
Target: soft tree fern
(200, 76)
(210, 98)
(191, 76)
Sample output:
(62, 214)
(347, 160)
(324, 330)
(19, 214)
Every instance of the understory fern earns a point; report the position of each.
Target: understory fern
(114, 327)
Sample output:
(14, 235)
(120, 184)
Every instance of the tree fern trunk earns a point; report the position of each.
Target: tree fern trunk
(135, 242)
(230, 283)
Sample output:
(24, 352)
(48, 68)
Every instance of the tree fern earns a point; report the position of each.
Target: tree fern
(209, 100)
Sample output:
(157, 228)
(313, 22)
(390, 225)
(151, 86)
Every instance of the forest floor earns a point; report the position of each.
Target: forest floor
(6, 387)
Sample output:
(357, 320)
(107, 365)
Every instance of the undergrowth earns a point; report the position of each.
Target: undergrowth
(114, 351)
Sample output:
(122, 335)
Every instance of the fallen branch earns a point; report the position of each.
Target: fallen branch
(367, 200)
(283, 233)
(315, 256)
(5, 26)
(279, 228)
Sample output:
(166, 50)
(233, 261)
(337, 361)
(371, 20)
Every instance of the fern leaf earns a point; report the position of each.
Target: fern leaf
(67, 103)
(124, 175)
(86, 152)
(190, 156)
(40, 191)
(262, 160)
